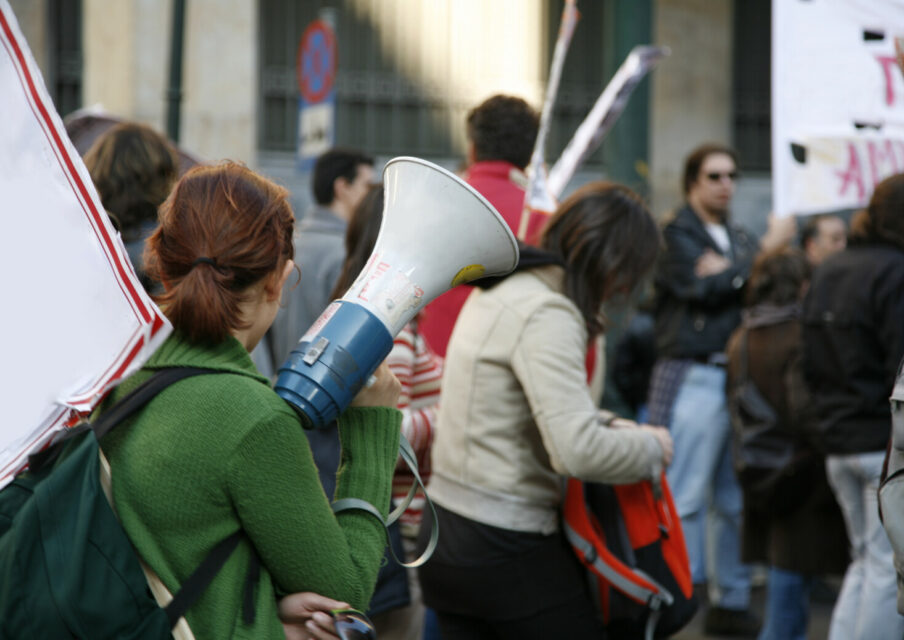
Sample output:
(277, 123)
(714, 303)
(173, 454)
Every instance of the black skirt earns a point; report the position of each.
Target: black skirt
(497, 574)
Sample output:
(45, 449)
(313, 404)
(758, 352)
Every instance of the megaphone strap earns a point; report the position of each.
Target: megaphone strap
(406, 451)
(346, 504)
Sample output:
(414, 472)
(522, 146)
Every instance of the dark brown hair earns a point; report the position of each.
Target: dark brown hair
(607, 240)
(697, 157)
(133, 168)
(503, 128)
(883, 219)
(777, 276)
(332, 165)
(239, 221)
(360, 238)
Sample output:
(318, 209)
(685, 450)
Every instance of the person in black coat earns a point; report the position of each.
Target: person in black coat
(853, 340)
(699, 286)
(791, 521)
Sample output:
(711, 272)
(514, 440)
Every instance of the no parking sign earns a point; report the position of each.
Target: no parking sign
(316, 69)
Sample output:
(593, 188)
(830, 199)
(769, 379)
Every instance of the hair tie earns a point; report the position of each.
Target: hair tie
(205, 260)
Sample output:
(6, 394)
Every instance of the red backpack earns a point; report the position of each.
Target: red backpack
(630, 539)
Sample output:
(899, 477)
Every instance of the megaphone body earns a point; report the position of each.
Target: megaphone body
(437, 232)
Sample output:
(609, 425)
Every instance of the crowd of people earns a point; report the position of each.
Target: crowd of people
(498, 387)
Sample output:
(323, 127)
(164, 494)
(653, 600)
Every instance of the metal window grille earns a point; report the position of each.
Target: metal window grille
(381, 110)
(65, 59)
(752, 90)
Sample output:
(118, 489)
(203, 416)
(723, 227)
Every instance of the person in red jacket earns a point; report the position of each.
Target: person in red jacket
(501, 134)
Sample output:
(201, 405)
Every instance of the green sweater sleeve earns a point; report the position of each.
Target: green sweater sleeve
(278, 498)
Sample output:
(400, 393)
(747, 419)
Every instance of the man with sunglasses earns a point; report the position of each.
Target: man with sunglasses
(699, 282)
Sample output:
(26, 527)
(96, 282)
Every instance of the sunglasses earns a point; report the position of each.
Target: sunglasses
(351, 624)
(717, 177)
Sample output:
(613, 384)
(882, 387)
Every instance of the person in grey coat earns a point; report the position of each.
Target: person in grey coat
(341, 178)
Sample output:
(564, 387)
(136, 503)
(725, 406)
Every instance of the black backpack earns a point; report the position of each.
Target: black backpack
(67, 568)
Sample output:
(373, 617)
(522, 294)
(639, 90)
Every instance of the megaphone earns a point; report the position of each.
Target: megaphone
(437, 232)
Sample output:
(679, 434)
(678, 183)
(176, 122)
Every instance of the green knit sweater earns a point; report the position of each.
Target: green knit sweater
(216, 453)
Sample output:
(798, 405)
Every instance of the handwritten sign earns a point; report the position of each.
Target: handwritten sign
(838, 102)
(75, 319)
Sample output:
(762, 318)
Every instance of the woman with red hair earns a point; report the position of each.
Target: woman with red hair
(220, 453)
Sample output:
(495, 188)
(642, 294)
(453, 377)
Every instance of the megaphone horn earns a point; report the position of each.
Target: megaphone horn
(437, 232)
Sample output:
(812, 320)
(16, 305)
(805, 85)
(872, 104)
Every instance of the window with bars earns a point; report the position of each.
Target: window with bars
(378, 108)
(65, 54)
(752, 89)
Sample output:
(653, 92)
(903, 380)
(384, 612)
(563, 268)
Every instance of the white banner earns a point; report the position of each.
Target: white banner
(837, 102)
(75, 319)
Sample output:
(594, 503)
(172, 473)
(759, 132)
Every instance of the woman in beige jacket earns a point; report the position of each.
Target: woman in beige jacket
(518, 416)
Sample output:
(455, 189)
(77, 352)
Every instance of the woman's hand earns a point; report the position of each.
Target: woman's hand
(612, 421)
(664, 438)
(382, 391)
(306, 616)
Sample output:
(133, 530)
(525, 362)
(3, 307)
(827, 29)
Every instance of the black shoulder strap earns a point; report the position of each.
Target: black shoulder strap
(198, 581)
(109, 419)
(140, 396)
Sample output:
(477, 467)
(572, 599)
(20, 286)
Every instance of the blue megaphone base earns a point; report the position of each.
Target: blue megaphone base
(332, 362)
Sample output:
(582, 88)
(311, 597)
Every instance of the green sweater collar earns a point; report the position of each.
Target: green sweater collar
(229, 356)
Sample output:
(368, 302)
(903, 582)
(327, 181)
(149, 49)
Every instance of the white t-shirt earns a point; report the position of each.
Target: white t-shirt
(720, 236)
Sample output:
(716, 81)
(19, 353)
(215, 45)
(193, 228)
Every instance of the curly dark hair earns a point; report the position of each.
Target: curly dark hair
(503, 128)
(133, 167)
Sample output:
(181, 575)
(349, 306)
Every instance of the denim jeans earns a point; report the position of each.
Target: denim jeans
(787, 605)
(702, 478)
(866, 607)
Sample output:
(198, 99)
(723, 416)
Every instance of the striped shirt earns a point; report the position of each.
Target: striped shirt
(419, 371)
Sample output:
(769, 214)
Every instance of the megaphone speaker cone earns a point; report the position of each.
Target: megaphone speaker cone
(437, 232)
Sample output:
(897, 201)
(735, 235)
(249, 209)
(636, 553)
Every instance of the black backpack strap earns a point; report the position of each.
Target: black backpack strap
(108, 420)
(198, 581)
(140, 396)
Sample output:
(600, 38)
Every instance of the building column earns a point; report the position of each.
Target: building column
(691, 89)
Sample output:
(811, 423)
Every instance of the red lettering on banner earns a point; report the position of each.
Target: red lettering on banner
(853, 174)
(889, 66)
(868, 163)
(879, 159)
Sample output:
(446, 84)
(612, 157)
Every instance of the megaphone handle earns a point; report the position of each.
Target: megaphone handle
(345, 504)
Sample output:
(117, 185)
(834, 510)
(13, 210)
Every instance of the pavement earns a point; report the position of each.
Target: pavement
(818, 629)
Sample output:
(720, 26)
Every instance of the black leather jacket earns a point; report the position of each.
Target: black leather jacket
(695, 316)
(853, 340)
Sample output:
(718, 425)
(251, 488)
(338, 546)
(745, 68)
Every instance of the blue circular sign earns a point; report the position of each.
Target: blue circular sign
(316, 62)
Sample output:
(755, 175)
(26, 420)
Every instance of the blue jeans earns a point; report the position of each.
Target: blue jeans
(787, 605)
(702, 478)
(866, 608)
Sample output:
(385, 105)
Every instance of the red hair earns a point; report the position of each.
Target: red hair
(240, 223)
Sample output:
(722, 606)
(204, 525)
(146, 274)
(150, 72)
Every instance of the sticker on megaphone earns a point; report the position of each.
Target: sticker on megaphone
(387, 290)
(468, 274)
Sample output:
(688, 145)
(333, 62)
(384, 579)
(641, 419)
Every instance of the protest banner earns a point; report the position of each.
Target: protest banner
(75, 319)
(537, 198)
(837, 102)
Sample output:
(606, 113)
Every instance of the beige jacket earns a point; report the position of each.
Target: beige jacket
(517, 414)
